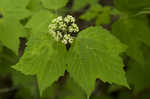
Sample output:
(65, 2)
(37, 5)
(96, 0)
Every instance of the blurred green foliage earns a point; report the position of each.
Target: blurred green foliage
(128, 24)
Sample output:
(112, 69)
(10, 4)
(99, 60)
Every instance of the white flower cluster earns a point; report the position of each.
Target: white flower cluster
(63, 29)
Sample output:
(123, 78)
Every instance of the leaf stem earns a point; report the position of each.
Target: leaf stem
(37, 93)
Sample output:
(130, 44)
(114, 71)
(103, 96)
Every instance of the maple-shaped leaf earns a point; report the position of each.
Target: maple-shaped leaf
(54, 4)
(67, 89)
(101, 14)
(12, 11)
(78, 4)
(96, 54)
(43, 57)
(7, 59)
(133, 31)
(14, 8)
(137, 74)
(131, 6)
(92, 12)
(10, 31)
(39, 21)
(34, 5)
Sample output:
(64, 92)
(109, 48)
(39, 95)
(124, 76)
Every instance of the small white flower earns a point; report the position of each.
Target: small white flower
(61, 23)
(71, 29)
(66, 20)
(66, 36)
(75, 27)
(69, 18)
(52, 26)
(60, 18)
(71, 40)
(59, 34)
(63, 26)
(64, 41)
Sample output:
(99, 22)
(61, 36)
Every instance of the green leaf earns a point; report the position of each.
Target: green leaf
(39, 21)
(102, 96)
(137, 74)
(54, 4)
(34, 5)
(78, 4)
(20, 79)
(92, 13)
(10, 27)
(25, 83)
(133, 31)
(104, 17)
(43, 57)
(10, 31)
(144, 11)
(7, 58)
(131, 6)
(25, 93)
(101, 14)
(15, 8)
(125, 95)
(115, 12)
(95, 54)
(14, 3)
(65, 89)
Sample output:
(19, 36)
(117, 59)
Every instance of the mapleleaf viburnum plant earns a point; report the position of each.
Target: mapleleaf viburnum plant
(94, 53)
(75, 49)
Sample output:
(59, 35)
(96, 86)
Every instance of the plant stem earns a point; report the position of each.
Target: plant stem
(37, 93)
